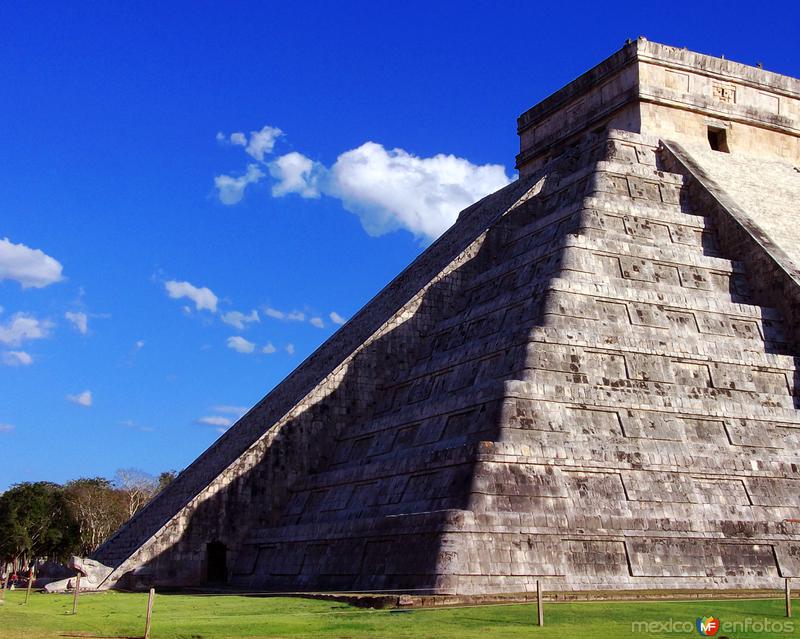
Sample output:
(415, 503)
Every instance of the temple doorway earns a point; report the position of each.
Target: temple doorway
(216, 562)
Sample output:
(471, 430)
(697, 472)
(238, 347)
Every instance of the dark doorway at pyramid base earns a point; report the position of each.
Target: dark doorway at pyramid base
(217, 563)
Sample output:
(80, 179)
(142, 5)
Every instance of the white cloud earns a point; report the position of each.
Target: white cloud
(274, 313)
(79, 320)
(215, 420)
(290, 349)
(393, 189)
(262, 142)
(317, 321)
(268, 349)
(291, 316)
(16, 358)
(139, 345)
(239, 320)
(295, 174)
(22, 327)
(336, 318)
(388, 189)
(203, 298)
(240, 344)
(237, 139)
(231, 189)
(82, 399)
(6, 428)
(30, 267)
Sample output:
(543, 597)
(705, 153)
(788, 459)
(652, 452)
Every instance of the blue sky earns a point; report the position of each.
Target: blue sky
(172, 170)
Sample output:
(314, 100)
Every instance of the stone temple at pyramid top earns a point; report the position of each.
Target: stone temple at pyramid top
(670, 93)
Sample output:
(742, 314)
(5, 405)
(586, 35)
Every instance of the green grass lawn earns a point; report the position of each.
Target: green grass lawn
(114, 614)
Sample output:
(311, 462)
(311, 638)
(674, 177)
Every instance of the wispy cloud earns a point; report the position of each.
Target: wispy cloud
(262, 142)
(290, 316)
(6, 428)
(215, 420)
(336, 318)
(238, 411)
(82, 399)
(203, 297)
(269, 348)
(32, 268)
(240, 320)
(236, 139)
(79, 320)
(317, 321)
(290, 349)
(15, 358)
(240, 344)
(231, 189)
(22, 327)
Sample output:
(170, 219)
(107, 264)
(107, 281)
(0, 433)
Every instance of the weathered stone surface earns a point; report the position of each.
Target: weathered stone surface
(93, 574)
(587, 378)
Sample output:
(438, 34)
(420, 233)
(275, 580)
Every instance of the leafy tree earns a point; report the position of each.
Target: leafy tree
(35, 522)
(165, 479)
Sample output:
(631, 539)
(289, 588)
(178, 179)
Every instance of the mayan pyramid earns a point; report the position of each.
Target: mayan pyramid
(591, 378)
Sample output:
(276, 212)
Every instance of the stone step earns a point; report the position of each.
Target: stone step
(606, 308)
(382, 484)
(679, 298)
(608, 204)
(724, 404)
(739, 387)
(643, 171)
(519, 346)
(639, 183)
(699, 243)
(705, 462)
(410, 523)
(473, 304)
(642, 440)
(675, 254)
(629, 265)
(696, 327)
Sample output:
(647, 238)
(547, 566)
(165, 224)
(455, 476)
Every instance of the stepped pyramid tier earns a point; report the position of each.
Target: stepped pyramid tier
(591, 377)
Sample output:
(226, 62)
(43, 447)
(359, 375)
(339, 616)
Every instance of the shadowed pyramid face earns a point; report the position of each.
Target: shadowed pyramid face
(576, 382)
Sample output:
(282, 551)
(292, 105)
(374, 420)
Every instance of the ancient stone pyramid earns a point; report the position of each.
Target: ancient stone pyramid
(591, 377)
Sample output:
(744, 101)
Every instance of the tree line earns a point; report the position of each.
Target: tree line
(48, 521)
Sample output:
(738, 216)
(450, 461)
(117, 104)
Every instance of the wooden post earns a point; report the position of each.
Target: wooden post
(788, 598)
(539, 608)
(31, 577)
(149, 616)
(75, 595)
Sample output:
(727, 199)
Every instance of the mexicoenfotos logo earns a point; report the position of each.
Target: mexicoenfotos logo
(707, 626)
